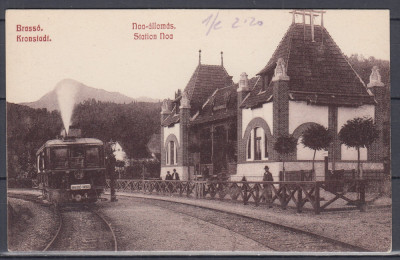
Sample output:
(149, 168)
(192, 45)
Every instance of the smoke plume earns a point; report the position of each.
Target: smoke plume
(66, 91)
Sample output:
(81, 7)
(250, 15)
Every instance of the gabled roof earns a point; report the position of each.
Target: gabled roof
(222, 104)
(204, 81)
(316, 68)
(257, 95)
(172, 119)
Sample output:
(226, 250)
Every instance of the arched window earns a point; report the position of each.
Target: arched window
(172, 152)
(257, 145)
(171, 157)
(265, 146)
(249, 148)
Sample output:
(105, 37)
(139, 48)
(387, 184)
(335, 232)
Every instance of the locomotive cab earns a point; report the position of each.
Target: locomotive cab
(71, 169)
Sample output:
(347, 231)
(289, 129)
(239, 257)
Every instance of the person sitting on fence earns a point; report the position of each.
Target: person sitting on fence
(168, 177)
(267, 187)
(175, 175)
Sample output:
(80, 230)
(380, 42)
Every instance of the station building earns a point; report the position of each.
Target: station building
(231, 128)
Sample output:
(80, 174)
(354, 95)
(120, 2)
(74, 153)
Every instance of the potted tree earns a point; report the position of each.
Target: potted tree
(317, 138)
(357, 133)
(285, 145)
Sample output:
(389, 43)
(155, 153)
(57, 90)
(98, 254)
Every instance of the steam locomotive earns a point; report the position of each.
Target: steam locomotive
(71, 169)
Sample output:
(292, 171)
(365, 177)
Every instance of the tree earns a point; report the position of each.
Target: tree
(317, 138)
(285, 145)
(358, 133)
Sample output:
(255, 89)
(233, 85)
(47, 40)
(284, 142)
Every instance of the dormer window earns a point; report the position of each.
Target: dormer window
(227, 98)
(266, 79)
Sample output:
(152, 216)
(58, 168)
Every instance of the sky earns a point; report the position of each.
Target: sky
(98, 47)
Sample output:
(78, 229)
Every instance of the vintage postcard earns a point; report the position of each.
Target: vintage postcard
(198, 131)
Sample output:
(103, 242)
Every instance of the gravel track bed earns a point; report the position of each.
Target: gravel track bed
(30, 225)
(142, 226)
(371, 229)
(277, 238)
(82, 230)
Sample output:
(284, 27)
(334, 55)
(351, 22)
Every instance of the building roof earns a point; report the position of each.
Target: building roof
(222, 104)
(204, 81)
(257, 95)
(316, 68)
(172, 119)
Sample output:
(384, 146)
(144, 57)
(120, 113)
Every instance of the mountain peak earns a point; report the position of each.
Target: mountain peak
(49, 100)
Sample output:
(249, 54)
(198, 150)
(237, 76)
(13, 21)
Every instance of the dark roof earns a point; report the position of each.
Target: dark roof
(257, 96)
(204, 81)
(172, 119)
(222, 104)
(72, 141)
(316, 68)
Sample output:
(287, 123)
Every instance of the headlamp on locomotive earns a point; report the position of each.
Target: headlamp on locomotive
(71, 168)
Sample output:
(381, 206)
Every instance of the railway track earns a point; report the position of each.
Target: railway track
(275, 236)
(272, 235)
(80, 228)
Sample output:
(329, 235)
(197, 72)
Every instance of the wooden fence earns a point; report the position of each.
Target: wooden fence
(318, 196)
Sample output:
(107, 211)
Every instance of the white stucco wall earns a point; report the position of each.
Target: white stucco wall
(300, 113)
(181, 170)
(351, 153)
(347, 113)
(264, 112)
(305, 153)
(255, 171)
(172, 130)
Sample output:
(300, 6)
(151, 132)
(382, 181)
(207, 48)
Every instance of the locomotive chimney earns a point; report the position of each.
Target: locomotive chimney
(72, 133)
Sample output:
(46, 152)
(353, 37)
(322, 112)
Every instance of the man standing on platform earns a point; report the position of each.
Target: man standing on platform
(267, 187)
(168, 177)
(175, 175)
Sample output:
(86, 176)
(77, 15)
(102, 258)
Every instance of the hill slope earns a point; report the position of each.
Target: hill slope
(84, 92)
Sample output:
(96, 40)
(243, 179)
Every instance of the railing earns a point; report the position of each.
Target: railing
(318, 196)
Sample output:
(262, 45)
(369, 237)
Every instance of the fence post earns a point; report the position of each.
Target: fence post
(283, 201)
(245, 198)
(299, 199)
(362, 195)
(257, 194)
(180, 189)
(317, 198)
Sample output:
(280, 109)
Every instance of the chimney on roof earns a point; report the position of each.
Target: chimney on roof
(375, 78)
(222, 58)
(199, 56)
(243, 82)
(310, 13)
(165, 109)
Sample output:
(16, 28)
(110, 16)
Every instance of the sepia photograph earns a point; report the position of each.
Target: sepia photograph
(184, 131)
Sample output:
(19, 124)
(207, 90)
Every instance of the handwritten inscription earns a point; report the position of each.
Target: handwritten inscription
(29, 33)
(212, 23)
(164, 35)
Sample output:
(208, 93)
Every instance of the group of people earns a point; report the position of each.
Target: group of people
(173, 176)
